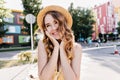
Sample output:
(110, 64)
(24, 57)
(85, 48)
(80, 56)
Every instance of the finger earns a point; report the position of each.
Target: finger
(53, 40)
(48, 34)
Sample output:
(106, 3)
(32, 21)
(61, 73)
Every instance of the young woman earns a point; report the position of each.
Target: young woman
(59, 57)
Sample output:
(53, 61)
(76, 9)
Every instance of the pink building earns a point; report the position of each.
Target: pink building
(105, 18)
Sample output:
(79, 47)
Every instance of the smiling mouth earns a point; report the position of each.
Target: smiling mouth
(54, 33)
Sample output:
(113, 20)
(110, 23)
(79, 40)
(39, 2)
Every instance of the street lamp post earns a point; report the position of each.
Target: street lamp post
(30, 18)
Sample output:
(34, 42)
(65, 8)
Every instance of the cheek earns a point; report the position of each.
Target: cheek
(49, 30)
(57, 26)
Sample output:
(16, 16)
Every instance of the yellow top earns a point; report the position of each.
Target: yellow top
(58, 75)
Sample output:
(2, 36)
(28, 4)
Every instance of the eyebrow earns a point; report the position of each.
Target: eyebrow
(47, 24)
(55, 20)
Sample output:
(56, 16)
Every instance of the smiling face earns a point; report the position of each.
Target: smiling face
(52, 25)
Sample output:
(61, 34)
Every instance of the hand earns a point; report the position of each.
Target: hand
(62, 44)
(53, 40)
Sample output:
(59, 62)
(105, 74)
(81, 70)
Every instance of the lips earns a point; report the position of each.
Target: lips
(54, 34)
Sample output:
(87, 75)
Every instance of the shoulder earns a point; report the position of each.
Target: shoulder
(77, 48)
(40, 43)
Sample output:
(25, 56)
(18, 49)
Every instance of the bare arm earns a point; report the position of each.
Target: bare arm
(47, 68)
(42, 57)
(76, 62)
(71, 72)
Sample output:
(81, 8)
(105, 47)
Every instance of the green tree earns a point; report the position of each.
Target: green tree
(31, 7)
(82, 22)
(4, 13)
(118, 28)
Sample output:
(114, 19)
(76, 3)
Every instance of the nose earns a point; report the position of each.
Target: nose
(53, 27)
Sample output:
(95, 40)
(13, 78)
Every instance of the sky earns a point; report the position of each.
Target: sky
(17, 4)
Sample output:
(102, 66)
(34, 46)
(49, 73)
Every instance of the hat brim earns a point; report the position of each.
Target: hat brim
(63, 11)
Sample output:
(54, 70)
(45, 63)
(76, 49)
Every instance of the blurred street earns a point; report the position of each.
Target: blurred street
(8, 55)
(98, 63)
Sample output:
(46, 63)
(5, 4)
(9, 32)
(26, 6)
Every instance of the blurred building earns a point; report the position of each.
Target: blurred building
(116, 4)
(117, 15)
(15, 36)
(105, 19)
(95, 27)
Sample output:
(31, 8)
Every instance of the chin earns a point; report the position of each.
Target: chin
(57, 37)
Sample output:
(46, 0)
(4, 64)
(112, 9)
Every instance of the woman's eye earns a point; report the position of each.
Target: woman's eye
(55, 22)
(47, 25)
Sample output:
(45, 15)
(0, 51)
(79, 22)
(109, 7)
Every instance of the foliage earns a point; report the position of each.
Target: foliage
(3, 63)
(10, 63)
(27, 56)
(4, 13)
(82, 22)
(24, 56)
(35, 58)
(31, 7)
(118, 28)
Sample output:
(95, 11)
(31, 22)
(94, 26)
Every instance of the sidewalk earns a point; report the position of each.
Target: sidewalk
(19, 72)
(14, 73)
(97, 64)
(93, 44)
(100, 65)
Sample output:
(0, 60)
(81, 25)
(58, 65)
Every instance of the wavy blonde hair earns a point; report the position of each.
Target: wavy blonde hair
(64, 31)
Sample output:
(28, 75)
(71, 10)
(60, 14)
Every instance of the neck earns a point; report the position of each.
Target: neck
(59, 40)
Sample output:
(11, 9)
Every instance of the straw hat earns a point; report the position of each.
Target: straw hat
(63, 11)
